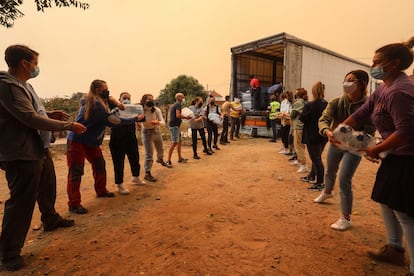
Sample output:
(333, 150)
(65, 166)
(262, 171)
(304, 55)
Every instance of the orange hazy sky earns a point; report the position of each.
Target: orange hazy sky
(140, 46)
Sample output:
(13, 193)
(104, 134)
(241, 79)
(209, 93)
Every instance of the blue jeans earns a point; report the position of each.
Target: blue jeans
(349, 165)
(397, 223)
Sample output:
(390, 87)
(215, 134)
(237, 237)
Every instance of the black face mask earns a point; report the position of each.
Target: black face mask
(150, 103)
(212, 102)
(105, 94)
(200, 104)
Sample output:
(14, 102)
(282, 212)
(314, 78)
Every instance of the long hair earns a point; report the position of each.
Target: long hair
(92, 96)
(401, 51)
(363, 79)
(318, 91)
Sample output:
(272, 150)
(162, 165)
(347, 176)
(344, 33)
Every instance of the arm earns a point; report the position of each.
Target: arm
(20, 106)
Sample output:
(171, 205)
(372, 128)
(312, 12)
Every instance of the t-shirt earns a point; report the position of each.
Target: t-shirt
(198, 112)
(225, 109)
(235, 110)
(254, 83)
(174, 121)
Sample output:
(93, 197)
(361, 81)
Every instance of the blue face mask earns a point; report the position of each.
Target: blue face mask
(378, 73)
(35, 72)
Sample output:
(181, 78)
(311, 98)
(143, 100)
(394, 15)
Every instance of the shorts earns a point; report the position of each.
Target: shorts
(175, 134)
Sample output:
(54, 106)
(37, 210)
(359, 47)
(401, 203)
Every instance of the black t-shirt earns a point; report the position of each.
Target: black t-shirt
(174, 121)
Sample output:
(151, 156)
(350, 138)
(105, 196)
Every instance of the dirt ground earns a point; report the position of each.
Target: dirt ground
(242, 211)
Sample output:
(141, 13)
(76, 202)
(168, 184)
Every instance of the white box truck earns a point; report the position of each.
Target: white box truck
(286, 59)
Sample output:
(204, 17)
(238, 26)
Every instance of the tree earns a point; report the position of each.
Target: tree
(9, 9)
(187, 85)
(69, 105)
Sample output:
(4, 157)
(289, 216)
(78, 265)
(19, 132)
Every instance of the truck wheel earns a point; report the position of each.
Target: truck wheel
(254, 132)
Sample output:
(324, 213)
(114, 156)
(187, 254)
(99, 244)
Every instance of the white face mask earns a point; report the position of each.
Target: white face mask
(183, 101)
(350, 87)
(236, 100)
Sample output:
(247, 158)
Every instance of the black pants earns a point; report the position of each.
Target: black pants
(225, 133)
(119, 148)
(22, 179)
(194, 139)
(46, 197)
(274, 129)
(315, 154)
(235, 127)
(284, 132)
(212, 131)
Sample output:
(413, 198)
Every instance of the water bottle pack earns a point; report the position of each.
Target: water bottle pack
(131, 111)
(352, 140)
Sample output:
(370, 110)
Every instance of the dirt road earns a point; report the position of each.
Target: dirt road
(242, 211)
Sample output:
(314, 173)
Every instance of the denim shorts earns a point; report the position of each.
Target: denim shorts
(175, 134)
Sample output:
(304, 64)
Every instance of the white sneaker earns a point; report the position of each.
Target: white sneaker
(302, 169)
(122, 190)
(341, 224)
(323, 196)
(283, 151)
(137, 181)
(295, 163)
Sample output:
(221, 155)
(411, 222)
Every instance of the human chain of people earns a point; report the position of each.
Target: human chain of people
(306, 125)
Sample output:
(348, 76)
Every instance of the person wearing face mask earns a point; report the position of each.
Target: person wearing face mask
(338, 109)
(391, 108)
(96, 116)
(174, 126)
(151, 135)
(235, 110)
(197, 125)
(25, 156)
(123, 142)
(212, 128)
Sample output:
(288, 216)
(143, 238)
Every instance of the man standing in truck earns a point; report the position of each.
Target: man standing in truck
(255, 92)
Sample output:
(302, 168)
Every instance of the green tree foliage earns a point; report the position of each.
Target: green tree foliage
(69, 105)
(187, 85)
(9, 9)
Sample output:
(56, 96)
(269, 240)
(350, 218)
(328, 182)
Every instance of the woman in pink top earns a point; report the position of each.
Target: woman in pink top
(391, 109)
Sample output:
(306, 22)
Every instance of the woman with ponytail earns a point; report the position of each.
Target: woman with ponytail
(391, 108)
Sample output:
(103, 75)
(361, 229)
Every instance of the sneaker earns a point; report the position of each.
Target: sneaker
(182, 160)
(302, 169)
(322, 197)
(137, 180)
(196, 157)
(317, 187)
(295, 163)
(107, 194)
(210, 150)
(283, 151)
(78, 210)
(223, 143)
(64, 223)
(341, 224)
(216, 147)
(149, 177)
(293, 158)
(307, 178)
(169, 164)
(389, 254)
(13, 263)
(163, 163)
(122, 190)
